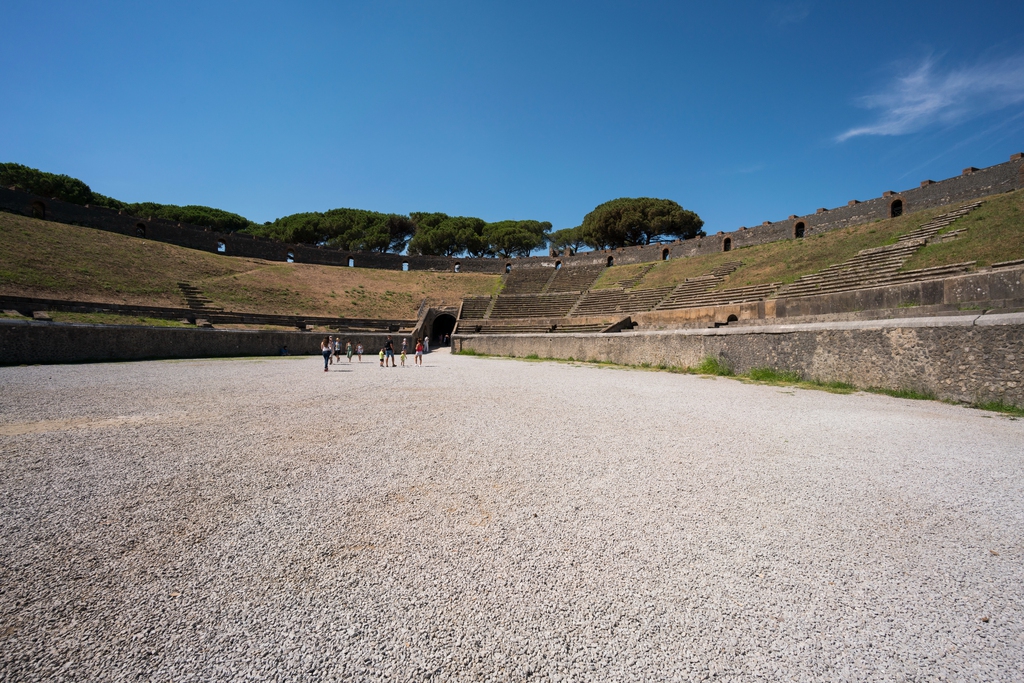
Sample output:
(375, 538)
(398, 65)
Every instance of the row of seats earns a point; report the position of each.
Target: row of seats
(475, 307)
(527, 280)
(524, 327)
(575, 279)
(597, 302)
(880, 265)
(536, 306)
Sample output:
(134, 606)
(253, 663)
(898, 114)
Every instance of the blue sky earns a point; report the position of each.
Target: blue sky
(742, 112)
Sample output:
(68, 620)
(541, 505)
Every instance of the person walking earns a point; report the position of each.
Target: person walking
(325, 349)
(419, 352)
(337, 348)
(330, 350)
(389, 351)
(359, 352)
(405, 344)
(426, 344)
(348, 350)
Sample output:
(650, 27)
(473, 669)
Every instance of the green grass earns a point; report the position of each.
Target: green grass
(713, 366)
(113, 319)
(774, 376)
(1000, 407)
(911, 394)
(57, 261)
(995, 232)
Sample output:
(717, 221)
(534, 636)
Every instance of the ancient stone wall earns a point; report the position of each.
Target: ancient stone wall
(974, 358)
(972, 184)
(28, 343)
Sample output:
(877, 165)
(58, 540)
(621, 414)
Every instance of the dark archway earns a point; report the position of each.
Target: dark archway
(798, 230)
(290, 257)
(558, 265)
(896, 208)
(38, 210)
(442, 325)
(731, 319)
(140, 229)
(458, 267)
(727, 244)
(611, 261)
(508, 267)
(664, 254)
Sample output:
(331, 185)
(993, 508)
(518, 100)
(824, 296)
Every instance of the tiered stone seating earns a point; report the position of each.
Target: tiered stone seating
(612, 301)
(880, 265)
(574, 279)
(525, 327)
(475, 307)
(567, 328)
(535, 306)
(527, 280)
(637, 277)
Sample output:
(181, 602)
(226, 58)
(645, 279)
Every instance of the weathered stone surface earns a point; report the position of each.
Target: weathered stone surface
(972, 358)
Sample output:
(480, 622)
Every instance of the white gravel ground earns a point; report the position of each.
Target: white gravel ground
(498, 520)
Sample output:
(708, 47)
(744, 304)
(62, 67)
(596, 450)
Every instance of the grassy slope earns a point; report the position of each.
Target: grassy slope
(52, 260)
(996, 234)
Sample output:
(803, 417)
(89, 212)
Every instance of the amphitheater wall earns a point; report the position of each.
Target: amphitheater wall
(973, 358)
(28, 343)
(972, 184)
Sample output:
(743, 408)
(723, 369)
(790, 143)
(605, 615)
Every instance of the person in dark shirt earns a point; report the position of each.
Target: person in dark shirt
(389, 352)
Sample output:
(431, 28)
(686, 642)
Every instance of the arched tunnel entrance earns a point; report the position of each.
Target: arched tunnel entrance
(441, 326)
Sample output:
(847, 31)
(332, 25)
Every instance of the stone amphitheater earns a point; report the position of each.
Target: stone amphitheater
(538, 518)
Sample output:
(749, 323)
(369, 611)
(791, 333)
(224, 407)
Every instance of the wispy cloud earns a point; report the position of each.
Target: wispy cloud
(926, 96)
(788, 13)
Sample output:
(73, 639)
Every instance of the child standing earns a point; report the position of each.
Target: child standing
(403, 356)
(381, 356)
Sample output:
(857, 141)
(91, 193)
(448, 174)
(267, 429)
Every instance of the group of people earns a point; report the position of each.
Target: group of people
(331, 348)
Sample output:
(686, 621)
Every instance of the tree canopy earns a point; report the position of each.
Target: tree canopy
(351, 229)
(515, 238)
(572, 238)
(635, 221)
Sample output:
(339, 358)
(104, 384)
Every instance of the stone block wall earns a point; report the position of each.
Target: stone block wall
(976, 358)
(29, 343)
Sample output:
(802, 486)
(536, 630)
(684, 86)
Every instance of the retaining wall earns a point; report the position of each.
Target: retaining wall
(973, 358)
(972, 184)
(27, 343)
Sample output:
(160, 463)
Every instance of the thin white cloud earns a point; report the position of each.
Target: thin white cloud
(788, 13)
(925, 96)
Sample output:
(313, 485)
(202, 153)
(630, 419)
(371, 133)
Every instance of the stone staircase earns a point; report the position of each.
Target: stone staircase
(688, 293)
(475, 307)
(194, 298)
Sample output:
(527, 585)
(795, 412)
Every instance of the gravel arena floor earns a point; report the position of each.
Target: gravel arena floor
(484, 519)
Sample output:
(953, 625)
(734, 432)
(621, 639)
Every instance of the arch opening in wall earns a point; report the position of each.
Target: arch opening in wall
(405, 265)
(508, 267)
(798, 229)
(665, 254)
(896, 208)
(731, 319)
(290, 257)
(140, 229)
(441, 326)
(558, 265)
(222, 247)
(458, 267)
(351, 263)
(38, 210)
(727, 244)
(611, 261)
